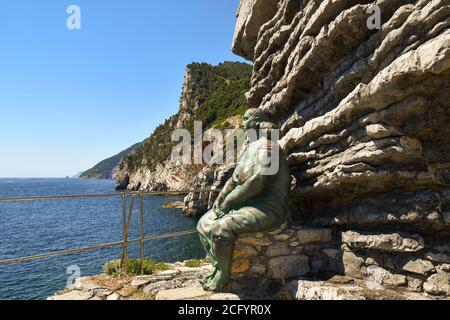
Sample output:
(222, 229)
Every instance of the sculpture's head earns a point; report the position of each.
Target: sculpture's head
(253, 119)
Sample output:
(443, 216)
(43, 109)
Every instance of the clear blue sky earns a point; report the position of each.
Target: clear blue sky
(69, 99)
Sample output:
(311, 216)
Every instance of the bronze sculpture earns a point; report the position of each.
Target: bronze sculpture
(251, 201)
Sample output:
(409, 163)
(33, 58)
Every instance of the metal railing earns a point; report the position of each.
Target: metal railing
(126, 222)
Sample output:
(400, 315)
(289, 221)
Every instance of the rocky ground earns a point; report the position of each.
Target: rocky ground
(182, 283)
(296, 262)
(177, 283)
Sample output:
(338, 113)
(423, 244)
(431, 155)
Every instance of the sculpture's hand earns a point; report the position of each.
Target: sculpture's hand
(220, 214)
(223, 194)
(217, 204)
(221, 209)
(218, 201)
(225, 207)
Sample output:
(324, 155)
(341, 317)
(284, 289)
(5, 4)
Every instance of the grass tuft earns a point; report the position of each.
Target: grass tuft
(194, 263)
(114, 268)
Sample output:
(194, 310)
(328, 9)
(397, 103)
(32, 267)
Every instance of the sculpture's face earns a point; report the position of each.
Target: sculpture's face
(250, 121)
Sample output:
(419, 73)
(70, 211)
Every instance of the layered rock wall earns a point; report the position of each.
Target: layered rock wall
(364, 113)
(364, 116)
(399, 261)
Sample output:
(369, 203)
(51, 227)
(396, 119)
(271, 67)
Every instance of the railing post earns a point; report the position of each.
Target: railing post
(124, 262)
(130, 213)
(141, 224)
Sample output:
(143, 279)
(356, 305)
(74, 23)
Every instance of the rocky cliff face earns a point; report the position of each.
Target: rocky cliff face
(211, 94)
(365, 119)
(364, 113)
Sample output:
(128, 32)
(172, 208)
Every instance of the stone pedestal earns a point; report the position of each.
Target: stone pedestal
(264, 258)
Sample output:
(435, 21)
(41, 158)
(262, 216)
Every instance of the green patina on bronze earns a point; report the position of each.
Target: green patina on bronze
(250, 202)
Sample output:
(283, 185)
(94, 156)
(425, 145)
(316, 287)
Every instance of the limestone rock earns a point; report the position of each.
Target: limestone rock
(253, 240)
(438, 257)
(385, 242)
(87, 284)
(438, 284)
(382, 277)
(282, 237)
(140, 282)
(189, 293)
(418, 266)
(141, 171)
(210, 177)
(318, 290)
(224, 297)
(278, 249)
(353, 290)
(364, 113)
(74, 295)
(259, 269)
(445, 267)
(353, 265)
(154, 288)
(113, 297)
(252, 14)
(288, 266)
(314, 235)
(415, 284)
(191, 271)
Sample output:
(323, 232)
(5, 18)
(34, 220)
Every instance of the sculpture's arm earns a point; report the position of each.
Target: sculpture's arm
(229, 186)
(251, 188)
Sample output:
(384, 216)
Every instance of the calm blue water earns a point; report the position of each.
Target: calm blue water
(31, 228)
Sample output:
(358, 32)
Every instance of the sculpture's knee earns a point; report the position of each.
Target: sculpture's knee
(221, 231)
(205, 224)
(201, 228)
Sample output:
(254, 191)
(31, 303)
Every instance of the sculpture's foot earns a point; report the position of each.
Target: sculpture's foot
(209, 277)
(217, 283)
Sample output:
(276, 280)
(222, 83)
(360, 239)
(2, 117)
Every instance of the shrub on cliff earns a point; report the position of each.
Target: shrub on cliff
(114, 268)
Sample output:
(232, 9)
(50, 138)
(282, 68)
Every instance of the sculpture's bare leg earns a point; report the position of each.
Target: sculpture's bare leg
(212, 259)
(204, 229)
(223, 250)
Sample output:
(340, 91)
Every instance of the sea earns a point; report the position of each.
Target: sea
(40, 227)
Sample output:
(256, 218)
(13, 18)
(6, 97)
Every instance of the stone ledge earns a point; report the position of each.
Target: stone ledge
(281, 253)
(400, 261)
(188, 293)
(355, 290)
